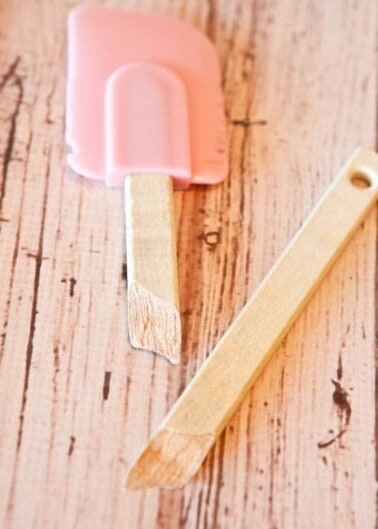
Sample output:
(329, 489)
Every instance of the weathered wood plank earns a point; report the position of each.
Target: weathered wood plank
(77, 404)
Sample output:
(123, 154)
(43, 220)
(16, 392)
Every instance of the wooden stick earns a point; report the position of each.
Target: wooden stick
(178, 448)
(153, 301)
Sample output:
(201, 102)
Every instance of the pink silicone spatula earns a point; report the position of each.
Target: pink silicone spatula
(144, 110)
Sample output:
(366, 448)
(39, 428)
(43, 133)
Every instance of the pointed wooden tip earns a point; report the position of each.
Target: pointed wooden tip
(154, 324)
(170, 460)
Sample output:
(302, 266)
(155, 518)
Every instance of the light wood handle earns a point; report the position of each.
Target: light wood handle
(178, 448)
(235, 363)
(152, 279)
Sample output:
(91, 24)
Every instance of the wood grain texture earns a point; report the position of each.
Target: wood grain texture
(77, 403)
(151, 255)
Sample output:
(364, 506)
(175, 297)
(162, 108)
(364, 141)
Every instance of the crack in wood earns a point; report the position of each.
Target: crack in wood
(56, 370)
(246, 122)
(340, 399)
(11, 74)
(71, 446)
(34, 312)
(106, 385)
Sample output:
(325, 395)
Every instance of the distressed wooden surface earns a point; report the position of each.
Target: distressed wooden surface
(76, 402)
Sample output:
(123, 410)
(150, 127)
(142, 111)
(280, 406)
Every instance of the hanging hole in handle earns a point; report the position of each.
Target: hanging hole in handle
(360, 180)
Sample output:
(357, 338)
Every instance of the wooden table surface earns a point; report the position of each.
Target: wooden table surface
(77, 403)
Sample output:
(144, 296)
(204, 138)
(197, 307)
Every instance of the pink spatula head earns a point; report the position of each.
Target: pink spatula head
(146, 123)
(100, 42)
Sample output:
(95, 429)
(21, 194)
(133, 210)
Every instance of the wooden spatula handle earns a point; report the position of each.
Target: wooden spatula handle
(153, 300)
(202, 411)
(238, 358)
